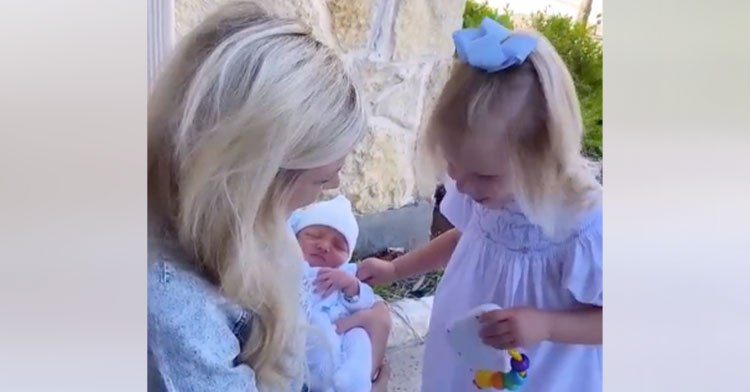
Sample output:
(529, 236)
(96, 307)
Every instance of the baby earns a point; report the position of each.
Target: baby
(327, 233)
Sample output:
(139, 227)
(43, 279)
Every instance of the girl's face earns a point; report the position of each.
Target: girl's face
(311, 183)
(323, 246)
(480, 167)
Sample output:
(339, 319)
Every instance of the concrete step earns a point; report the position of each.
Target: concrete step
(411, 321)
(406, 368)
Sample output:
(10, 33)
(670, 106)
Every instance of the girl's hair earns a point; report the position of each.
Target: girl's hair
(534, 108)
(247, 102)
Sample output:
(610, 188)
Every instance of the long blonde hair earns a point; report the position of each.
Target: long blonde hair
(247, 101)
(536, 107)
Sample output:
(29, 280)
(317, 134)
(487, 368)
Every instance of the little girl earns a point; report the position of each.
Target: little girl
(527, 217)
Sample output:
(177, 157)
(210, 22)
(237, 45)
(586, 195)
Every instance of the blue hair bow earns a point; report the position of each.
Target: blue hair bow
(492, 47)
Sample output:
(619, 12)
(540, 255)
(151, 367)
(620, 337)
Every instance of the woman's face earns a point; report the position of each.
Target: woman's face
(312, 182)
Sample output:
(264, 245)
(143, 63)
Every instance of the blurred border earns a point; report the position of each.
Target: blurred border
(73, 234)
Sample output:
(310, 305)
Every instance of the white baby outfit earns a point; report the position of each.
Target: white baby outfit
(504, 259)
(336, 363)
(340, 363)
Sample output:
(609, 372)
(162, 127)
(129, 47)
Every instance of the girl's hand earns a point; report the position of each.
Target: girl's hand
(510, 328)
(376, 272)
(331, 279)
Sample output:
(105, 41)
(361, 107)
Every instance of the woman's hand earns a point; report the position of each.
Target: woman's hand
(380, 384)
(376, 321)
(376, 272)
(510, 328)
(331, 279)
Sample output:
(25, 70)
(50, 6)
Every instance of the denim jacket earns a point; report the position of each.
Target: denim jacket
(194, 334)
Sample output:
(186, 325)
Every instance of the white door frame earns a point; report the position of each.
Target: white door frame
(160, 21)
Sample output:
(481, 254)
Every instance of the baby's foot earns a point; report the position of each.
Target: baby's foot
(347, 381)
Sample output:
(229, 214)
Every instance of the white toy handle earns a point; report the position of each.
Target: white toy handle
(463, 336)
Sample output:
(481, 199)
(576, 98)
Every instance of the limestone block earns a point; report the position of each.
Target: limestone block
(351, 22)
(394, 91)
(378, 175)
(423, 28)
(189, 13)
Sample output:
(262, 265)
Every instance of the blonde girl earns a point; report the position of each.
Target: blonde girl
(527, 217)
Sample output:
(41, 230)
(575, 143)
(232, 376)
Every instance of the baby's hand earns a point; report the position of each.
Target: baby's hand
(510, 328)
(332, 279)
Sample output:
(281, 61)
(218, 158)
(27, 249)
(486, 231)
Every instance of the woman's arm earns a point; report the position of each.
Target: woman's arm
(181, 360)
(191, 346)
(377, 322)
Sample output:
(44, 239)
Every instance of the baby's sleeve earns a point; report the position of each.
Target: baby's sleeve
(366, 295)
(366, 299)
(455, 206)
(582, 268)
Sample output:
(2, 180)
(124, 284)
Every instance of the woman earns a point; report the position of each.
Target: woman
(250, 120)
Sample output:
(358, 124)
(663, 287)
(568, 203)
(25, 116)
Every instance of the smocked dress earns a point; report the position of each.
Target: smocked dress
(504, 259)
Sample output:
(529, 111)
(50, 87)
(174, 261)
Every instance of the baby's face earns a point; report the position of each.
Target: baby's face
(481, 170)
(323, 246)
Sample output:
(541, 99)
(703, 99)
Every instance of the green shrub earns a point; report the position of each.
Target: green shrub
(579, 49)
(591, 111)
(476, 11)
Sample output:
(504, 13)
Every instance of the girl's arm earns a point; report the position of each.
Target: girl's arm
(431, 257)
(428, 258)
(576, 327)
(508, 328)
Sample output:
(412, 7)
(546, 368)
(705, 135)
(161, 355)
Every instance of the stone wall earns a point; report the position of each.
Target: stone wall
(401, 51)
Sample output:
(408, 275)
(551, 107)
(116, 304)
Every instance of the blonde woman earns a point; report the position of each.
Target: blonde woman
(250, 120)
(527, 216)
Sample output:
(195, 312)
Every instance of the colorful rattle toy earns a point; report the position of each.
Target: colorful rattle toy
(519, 363)
(463, 336)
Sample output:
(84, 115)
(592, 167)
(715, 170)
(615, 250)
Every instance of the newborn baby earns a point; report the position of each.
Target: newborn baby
(327, 233)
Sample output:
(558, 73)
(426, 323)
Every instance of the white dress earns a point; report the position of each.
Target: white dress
(503, 259)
